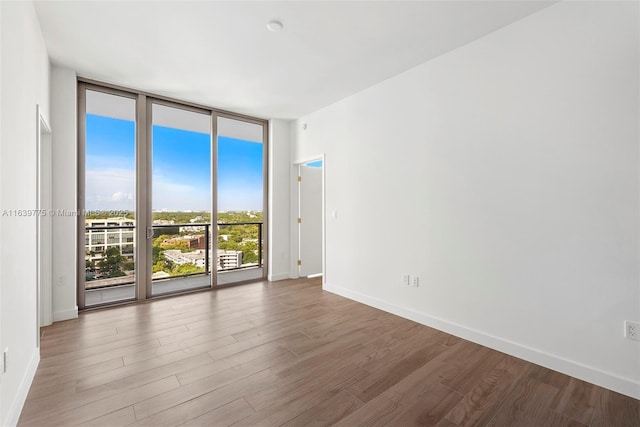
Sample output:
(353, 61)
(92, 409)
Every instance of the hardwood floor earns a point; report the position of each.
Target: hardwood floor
(288, 353)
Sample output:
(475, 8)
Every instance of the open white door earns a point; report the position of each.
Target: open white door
(310, 219)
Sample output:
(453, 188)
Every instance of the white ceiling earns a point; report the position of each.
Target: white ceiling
(220, 54)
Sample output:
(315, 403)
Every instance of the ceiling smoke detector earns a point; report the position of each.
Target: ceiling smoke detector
(274, 26)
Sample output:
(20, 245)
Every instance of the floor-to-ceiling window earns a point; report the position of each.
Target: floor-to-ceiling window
(241, 198)
(108, 182)
(172, 196)
(181, 199)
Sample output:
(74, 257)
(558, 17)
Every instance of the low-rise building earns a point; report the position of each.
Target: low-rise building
(102, 234)
(176, 256)
(228, 260)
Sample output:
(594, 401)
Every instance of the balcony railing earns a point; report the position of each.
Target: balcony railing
(223, 263)
(241, 236)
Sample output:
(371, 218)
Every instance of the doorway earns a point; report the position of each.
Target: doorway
(311, 218)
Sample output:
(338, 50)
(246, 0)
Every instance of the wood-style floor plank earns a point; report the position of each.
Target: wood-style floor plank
(613, 409)
(105, 406)
(481, 404)
(415, 390)
(225, 415)
(121, 417)
(288, 353)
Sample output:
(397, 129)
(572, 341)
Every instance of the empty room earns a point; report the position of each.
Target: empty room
(269, 213)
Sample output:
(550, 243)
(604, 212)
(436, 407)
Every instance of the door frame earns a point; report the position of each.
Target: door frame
(44, 163)
(295, 208)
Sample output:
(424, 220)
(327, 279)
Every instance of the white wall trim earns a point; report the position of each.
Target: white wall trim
(21, 396)
(45, 163)
(550, 361)
(277, 277)
(59, 316)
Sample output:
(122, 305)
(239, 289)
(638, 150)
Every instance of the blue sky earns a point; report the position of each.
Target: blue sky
(181, 169)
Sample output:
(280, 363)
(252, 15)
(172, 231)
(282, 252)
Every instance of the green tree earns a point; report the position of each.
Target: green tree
(179, 270)
(229, 245)
(159, 266)
(112, 263)
(158, 253)
(249, 252)
(182, 217)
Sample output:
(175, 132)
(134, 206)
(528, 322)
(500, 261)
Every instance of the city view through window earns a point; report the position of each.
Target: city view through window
(183, 253)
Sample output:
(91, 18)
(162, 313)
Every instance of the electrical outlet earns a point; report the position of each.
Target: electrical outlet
(415, 281)
(405, 280)
(632, 330)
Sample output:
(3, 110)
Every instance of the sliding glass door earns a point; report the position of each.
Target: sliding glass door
(109, 183)
(171, 197)
(240, 195)
(181, 199)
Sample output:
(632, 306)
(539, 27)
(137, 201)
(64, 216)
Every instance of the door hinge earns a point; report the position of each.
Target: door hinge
(299, 262)
(299, 178)
(299, 220)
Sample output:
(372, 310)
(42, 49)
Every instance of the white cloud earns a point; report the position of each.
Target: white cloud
(108, 189)
(114, 189)
(121, 196)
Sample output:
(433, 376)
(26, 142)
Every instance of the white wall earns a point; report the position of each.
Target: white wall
(24, 84)
(64, 170)
(505, 175)
(279, 220)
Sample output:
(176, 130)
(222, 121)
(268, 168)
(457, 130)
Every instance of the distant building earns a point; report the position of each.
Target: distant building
(229, 259)
(176, 256)
(97, 241)
(188, 242)
(163, 222)
(196, 227)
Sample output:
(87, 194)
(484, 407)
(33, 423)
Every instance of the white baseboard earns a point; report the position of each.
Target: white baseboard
(59, 316)
(586, 373)
(277, 277)
(21, 396)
